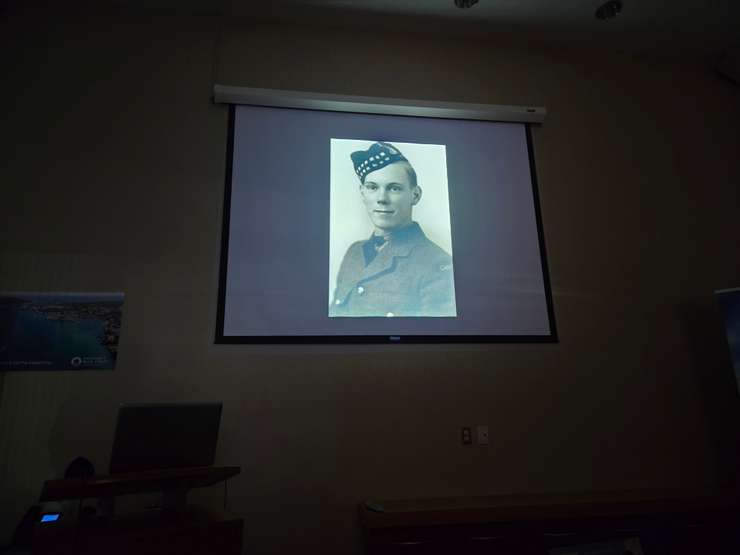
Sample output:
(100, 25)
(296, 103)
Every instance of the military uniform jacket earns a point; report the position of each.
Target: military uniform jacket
(409, 276)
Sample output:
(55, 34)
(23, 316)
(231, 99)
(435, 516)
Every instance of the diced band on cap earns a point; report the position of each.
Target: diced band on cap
(377, 156)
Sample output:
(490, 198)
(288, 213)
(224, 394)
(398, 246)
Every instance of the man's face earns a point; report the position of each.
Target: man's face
(388, 196)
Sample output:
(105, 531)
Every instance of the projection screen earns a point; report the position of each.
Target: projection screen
(344, 226)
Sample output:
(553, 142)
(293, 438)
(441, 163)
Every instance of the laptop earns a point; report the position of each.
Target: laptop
(165, 435)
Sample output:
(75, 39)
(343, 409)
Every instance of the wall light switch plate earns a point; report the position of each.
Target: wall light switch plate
(481, 435)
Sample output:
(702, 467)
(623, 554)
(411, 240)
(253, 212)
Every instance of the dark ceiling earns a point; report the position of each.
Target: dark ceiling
(680, 25)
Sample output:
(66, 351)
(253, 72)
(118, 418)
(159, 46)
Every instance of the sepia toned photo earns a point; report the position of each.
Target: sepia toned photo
(390, 252)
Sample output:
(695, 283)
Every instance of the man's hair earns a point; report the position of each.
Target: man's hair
(410, 171)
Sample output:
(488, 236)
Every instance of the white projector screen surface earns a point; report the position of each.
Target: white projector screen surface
(366, 227)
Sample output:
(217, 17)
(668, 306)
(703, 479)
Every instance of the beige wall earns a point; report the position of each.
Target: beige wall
(112, 179)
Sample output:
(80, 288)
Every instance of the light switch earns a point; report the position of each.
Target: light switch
(466, 435)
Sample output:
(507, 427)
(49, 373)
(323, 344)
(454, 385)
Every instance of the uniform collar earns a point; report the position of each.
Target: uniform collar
(397, 243)
(405, 234)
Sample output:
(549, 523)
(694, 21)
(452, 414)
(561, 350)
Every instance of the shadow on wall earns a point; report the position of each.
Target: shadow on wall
(83, 427)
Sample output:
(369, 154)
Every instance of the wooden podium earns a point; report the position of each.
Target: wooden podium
(175, 528)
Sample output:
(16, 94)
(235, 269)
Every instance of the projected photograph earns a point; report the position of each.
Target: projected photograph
(390, 246)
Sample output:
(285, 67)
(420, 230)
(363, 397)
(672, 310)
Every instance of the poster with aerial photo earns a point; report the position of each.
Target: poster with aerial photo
(59, 331)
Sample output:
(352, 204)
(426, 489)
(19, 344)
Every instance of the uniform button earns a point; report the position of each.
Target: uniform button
(338, 301)
(360, 290)
(390, 315)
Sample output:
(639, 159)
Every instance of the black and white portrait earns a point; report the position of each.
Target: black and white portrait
(390, 238)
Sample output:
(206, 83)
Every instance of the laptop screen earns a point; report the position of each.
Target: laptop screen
(165, 435)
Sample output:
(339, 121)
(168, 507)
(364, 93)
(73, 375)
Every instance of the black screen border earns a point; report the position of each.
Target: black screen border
(222, 339)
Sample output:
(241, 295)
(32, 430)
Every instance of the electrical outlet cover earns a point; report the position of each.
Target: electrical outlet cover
(481, 434)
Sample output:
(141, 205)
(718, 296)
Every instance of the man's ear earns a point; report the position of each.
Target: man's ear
(416, 195)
